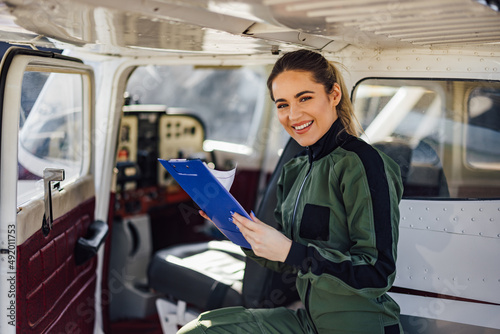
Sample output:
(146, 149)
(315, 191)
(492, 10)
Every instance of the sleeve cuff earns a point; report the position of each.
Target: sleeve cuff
(296, 255)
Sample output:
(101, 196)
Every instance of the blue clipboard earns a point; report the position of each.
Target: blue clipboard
(206, 191)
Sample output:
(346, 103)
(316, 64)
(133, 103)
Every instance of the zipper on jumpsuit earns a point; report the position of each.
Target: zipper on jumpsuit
(308, 291)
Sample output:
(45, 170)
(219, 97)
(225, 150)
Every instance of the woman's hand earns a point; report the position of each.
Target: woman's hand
(266, 241)
(204, 215)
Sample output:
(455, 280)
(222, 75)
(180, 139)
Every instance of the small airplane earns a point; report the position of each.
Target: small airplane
(96, 237)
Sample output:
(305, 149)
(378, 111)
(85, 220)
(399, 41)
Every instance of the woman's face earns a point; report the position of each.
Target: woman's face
(305, 110)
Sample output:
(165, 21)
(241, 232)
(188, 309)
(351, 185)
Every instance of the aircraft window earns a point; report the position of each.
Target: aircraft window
(227, 100)
(483, 138)
(444, 134)
(50, 129)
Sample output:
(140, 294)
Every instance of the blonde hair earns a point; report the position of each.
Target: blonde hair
(323, 72)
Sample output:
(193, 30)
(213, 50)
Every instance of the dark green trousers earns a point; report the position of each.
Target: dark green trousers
(238, 320)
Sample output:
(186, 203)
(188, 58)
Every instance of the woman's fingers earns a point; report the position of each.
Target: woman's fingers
(243, 222)
(204, 215)
(265, 240)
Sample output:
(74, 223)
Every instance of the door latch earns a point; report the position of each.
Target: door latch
(49, 175)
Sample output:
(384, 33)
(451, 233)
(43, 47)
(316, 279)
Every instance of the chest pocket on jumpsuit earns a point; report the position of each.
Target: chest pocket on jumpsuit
(315, 222)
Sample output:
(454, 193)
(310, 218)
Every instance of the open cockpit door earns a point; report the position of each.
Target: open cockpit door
(47, 197)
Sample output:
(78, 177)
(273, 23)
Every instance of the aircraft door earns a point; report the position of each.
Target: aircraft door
(47, 197)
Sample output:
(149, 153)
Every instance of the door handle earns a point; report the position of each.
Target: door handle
(49, 175)
(87, 247)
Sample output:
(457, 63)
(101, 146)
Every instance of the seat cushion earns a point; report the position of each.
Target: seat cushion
(207, 275)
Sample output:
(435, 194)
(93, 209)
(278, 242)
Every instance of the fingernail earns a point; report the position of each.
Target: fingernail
(230, 219)
(231, 213)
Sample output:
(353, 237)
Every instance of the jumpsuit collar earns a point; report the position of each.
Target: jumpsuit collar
(332, 139)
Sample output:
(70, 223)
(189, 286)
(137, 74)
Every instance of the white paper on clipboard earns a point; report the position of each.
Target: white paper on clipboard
(226, 178)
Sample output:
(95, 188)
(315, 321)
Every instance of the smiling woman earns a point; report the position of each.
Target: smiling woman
(308, 114)
(337, 216)
(425, 84)
(320, 76)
